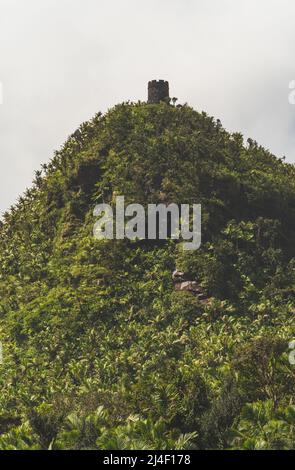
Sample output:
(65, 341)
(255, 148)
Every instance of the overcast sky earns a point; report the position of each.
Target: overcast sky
(61, 61)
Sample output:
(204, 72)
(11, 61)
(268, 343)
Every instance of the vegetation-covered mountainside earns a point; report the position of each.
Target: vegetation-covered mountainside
(100, 351)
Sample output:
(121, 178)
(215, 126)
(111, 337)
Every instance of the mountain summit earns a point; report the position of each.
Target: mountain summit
(101, 350)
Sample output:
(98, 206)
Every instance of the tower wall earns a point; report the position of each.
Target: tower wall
(158, 90)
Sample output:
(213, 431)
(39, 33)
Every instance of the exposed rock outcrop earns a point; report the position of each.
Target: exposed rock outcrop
(184, 282)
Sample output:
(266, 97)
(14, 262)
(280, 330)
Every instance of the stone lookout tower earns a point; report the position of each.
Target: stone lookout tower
(158, 90)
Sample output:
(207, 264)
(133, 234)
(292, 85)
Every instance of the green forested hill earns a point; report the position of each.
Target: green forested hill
(100, 351)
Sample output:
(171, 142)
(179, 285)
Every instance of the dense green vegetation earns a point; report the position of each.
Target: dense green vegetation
(100, 351)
